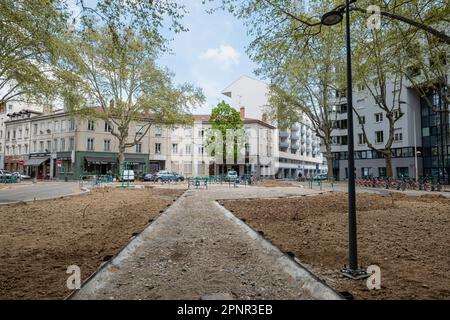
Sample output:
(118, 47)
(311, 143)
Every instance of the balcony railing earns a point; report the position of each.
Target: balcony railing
(295, 136)
(295, 146)
(284, 134)
(284, 144)
(295, 127)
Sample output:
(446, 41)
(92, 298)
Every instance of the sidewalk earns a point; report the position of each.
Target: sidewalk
(198, 249)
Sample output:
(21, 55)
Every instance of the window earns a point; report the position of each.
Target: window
(379, 117)
(382, 172)
(361, 139)
(14, 134)
(27, 131)
(343, 108)
(25, 147)
(362, 120)
(34, 146)
(49, 146)
(71, 124)
(158, 132)
(91, 125)
(379, 138)
(398, 135)
(158, 148)
(62, 145)
(175, 148)
(397, 114)
(35, 128)
(8, 135)
(188, 149)
(140, 130)
(56, 126)
(20, 133)
(139, 148)
(63, 125)
(344, 140)
(402, 172)
(201, 150)
(71, 143)
(90, 144)
(41, 146)
(107, 127)
(343, 124)
(201, 133)
(1, 147)
(55, 144)
(107, 145)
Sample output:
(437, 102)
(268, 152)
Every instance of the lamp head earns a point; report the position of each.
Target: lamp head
(331, 18)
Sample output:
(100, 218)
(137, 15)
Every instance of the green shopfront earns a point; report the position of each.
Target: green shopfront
(72, 165)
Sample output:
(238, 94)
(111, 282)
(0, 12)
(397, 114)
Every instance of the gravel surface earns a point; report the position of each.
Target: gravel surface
(195, 251)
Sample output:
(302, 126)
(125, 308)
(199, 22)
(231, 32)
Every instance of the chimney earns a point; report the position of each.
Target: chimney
(242, 113)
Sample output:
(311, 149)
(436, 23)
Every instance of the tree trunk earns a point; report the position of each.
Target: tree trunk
(121, 157)
(329, 157)
(388, 159)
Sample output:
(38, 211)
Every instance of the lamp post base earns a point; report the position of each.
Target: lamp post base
(355, 274)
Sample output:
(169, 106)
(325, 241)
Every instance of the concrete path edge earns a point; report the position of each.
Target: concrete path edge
(310, 283)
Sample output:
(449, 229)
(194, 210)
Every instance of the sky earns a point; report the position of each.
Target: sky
(211, 55)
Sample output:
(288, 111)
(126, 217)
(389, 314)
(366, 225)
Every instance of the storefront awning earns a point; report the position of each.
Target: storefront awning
(35, 162)
(100, 160)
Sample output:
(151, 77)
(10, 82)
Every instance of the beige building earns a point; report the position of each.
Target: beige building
(56, 145)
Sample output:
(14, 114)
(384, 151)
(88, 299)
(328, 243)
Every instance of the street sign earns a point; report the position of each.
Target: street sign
(21, 162)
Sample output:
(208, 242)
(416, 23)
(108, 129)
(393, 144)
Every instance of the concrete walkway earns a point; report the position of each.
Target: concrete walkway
(197, 249)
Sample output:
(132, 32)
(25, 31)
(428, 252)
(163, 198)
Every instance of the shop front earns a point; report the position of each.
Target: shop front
(38, 166)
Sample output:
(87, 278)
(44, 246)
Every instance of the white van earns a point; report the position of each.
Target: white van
(127, 175)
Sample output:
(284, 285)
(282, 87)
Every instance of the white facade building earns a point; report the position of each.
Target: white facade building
(298, 147)
(11, 107)
(368, 162)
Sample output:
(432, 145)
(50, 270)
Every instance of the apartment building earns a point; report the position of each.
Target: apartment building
(9, 108)
(189, 154)
(298, 149)
(58, 145)
(407, 133)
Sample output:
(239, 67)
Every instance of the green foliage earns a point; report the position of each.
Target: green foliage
(110, 74)
(224, 119)
(30, 41)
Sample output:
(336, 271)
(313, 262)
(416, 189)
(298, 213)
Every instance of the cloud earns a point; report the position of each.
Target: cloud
(225, 55)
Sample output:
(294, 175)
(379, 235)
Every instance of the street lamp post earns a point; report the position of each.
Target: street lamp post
(352, 271)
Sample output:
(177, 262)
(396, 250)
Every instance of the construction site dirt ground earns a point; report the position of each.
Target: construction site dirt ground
(407, 237)
(39, 240)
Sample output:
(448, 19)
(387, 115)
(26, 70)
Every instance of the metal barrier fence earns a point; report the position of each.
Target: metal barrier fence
(94, 181)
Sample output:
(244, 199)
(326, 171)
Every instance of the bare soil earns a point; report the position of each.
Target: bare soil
(38, 241)
(407, 237)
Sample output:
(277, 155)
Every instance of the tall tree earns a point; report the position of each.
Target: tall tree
(111, 75)
(226, 125)
(305, 85)
(30, 40)
(379, 55)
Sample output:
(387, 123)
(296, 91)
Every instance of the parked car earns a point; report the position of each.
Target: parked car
(127, 175)
(20, 176)
(168, 176)
(148, 177)
(231, 175)
(5, 173)
(179, 177)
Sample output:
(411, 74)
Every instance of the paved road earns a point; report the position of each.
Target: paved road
(41, 190)
(195, 250)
